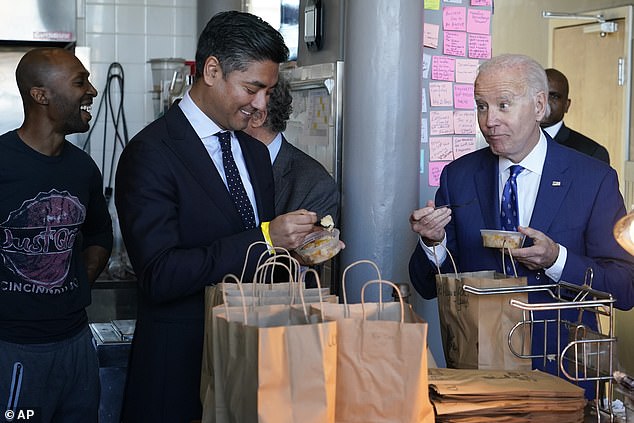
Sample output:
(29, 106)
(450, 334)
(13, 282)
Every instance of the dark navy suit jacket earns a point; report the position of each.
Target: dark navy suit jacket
(577, 205)
(580, 142)
(182, 233)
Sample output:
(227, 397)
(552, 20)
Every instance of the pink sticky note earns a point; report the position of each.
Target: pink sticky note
(466, 70)
(455, 43)
(443, 68)
(463, 145)
(464, 122)
(463, 96)
(430, 35)
(440, 149)
(435, 169)
(441, 122)
(440, 94)
(481, 2)
(479, 46)
(454, 18)
(479, 21)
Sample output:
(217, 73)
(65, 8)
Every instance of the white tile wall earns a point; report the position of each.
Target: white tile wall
(131, 32)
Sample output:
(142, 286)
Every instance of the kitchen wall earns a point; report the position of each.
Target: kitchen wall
(130, 32)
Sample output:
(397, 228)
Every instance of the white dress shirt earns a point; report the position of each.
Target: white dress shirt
(553, 130)
(527, 187)
(275, 146)
(205, 128)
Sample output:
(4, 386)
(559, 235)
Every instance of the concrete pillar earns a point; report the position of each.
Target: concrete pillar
(382, 114)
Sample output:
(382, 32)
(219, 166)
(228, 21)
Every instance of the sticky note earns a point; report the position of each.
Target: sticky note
(440, 94)
(463, 96)
(479, 46)
(455, 43)
(479, 21)
(443, 68)
(466, 70)
(454, 18)
(440, 149)
(463, 145)
(464, 122)
(430, 35)
(441, 122)
(435, 170)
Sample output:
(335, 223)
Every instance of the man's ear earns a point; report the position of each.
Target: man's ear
(258, 118)
(39, 95)
(540, 105)
(212, 70)
(567, 106)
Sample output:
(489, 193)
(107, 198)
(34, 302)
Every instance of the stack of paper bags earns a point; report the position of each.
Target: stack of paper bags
(470, 395)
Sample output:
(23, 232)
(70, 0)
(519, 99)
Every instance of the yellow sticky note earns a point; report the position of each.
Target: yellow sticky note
(432, 4)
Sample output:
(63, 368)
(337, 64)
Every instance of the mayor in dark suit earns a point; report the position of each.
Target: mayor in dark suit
(553, 122)
(182, 228)
(300, 180)
(567, 202)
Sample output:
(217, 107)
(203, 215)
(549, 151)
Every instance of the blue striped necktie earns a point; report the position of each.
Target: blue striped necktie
(234, 182)
(509, 211)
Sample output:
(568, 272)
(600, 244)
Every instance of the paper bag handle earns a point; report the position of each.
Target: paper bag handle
(343, 282)
(508, 250)
(382, 282)
(453, 262)
(224, 295)
(283, 252)
(246, 257)
(300, 288)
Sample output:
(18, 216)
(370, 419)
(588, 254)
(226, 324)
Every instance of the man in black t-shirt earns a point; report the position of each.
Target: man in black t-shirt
(55, 239)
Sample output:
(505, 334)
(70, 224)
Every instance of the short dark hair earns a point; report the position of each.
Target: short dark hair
(237, 39)
(279, 107)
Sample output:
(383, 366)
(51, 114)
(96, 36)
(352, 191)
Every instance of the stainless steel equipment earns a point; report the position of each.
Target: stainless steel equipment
(170, 78)
(23, 26)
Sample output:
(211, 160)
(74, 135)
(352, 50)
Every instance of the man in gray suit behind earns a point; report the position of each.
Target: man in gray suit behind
(300, 180)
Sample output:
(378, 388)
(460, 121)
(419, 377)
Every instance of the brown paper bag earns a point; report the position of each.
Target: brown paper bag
(381, 360)
(274, 365)
(475, 328)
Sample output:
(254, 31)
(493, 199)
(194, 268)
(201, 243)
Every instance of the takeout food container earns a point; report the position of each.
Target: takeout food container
(502, 239)
(319, 246)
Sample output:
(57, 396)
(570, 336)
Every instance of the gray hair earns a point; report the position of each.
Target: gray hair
(535, 79)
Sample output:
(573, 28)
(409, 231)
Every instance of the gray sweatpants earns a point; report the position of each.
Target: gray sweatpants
(54, 382)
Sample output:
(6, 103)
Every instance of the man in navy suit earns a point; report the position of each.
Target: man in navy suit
(568, 202)
(553, 122)
(179, 222)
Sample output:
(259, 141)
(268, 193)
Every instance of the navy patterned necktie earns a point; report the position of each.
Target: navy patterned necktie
(234, 182)
(509, 212)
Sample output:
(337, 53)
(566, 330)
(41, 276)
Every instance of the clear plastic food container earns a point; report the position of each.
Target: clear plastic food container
(319, 246)
(502, 239)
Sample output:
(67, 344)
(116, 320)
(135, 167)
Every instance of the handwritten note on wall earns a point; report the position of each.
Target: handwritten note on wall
(456, 38)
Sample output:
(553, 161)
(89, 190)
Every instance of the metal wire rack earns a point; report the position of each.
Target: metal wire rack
(583, 354)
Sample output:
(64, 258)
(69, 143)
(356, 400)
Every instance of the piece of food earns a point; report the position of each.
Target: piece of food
(327, 222)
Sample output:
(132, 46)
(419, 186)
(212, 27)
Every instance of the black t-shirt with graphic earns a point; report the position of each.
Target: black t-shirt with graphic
(51, 208)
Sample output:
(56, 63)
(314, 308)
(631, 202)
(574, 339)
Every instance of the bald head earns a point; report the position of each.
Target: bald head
(37, 66)
(557, 97)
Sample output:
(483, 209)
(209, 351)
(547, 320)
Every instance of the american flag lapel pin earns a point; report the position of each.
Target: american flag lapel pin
(556, 183)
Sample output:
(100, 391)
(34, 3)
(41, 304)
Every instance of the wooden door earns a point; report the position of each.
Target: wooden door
(599, 109)
(590, 61)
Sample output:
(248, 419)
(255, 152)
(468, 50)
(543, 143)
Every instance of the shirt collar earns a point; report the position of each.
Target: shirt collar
(553, 130)
(202, 124)
(274, 146)
(533, 162)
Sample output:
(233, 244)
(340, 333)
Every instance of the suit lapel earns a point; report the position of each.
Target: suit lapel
(189, 149)
(486, 183)
(553, 186)
(281, 167)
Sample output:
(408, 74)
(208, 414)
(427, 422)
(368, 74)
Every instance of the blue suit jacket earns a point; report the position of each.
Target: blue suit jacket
(577, 205)
(182, 233)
